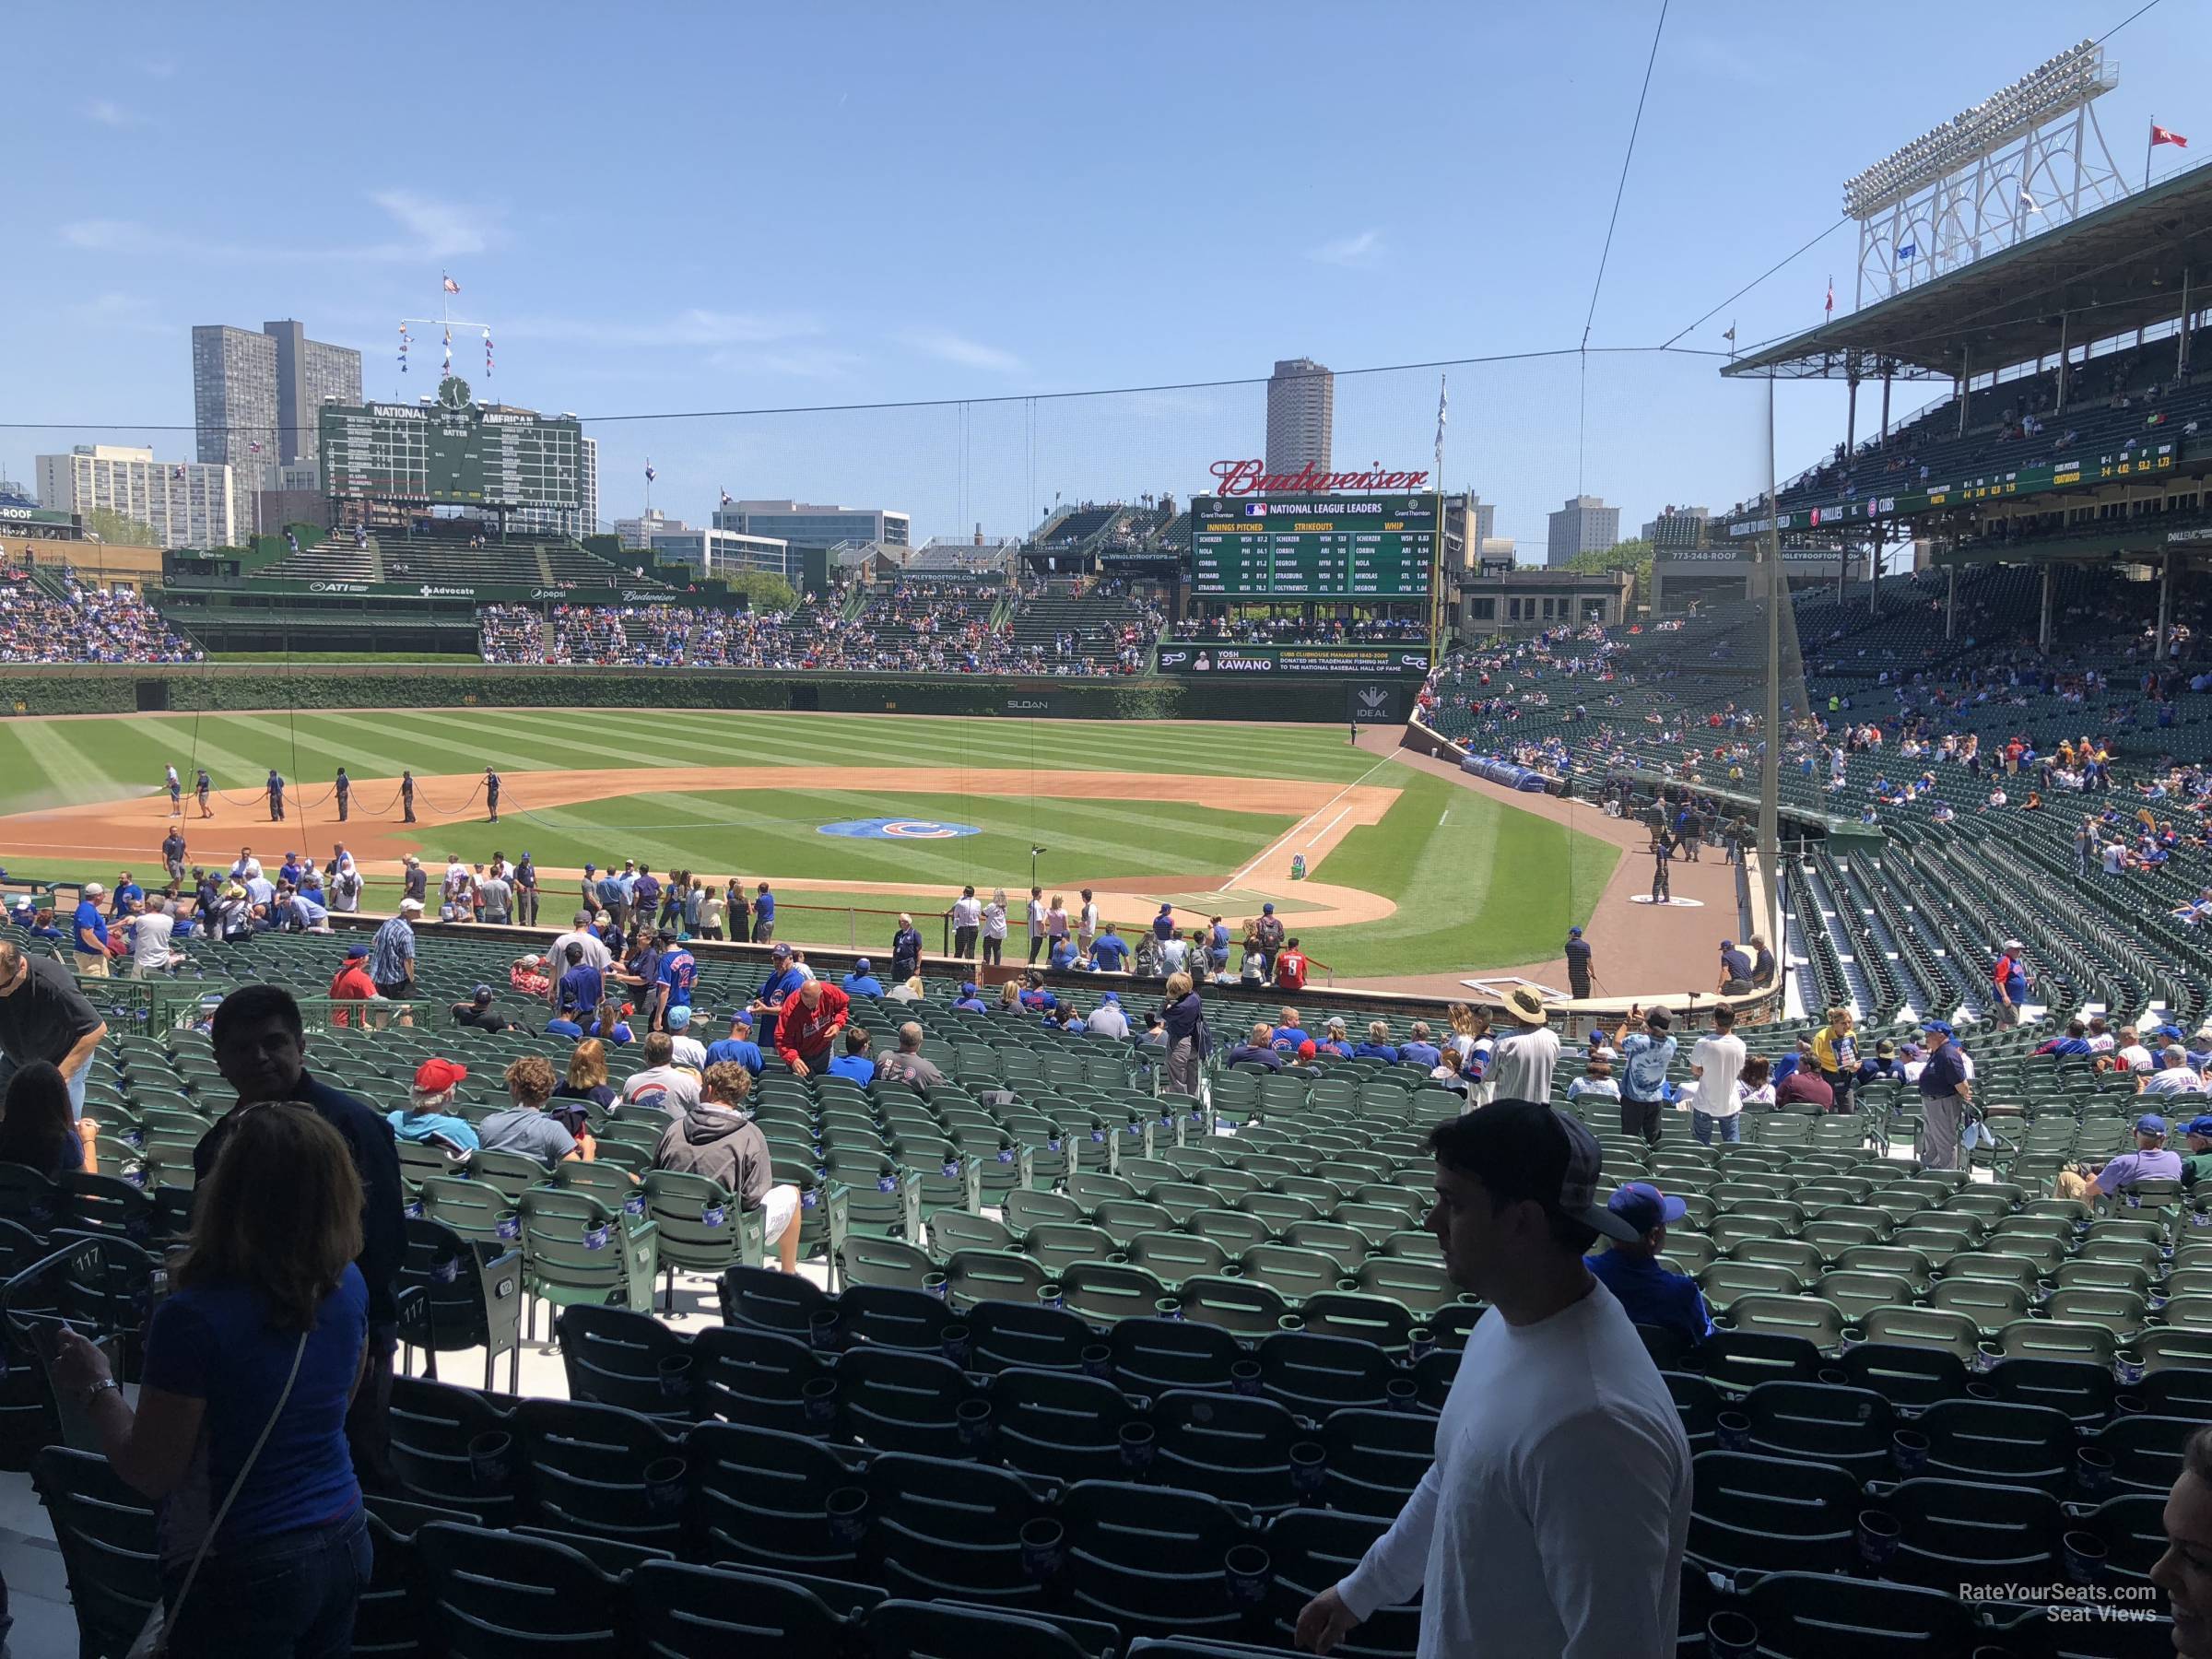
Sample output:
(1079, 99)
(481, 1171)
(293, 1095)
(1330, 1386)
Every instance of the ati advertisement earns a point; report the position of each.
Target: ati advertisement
(1216, 660)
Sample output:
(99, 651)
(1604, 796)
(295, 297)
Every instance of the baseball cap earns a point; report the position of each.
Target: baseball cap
(1111, 996)
(861, 966)
(1644, 1207)
(482, 994)
(589, 869)
(2014, 945)
(92, 890)
(1266, 910)
(678, 1017)
(968, 988)
(1574, 933)
(411, 904)
(1727, 944)
(2198, 1126)
(435, 1077)
(1307, 1049)
(1522, 1149)
(780, 950)
(738, 1017)
(354, 953)
(1939, 1028)
(2150, 1123)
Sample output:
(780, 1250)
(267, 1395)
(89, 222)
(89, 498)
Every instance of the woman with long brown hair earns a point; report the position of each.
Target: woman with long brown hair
(250, 1364)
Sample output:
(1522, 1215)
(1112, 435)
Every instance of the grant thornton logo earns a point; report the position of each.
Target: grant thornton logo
(896, 830)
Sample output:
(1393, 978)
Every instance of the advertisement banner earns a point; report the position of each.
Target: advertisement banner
(1218, 659)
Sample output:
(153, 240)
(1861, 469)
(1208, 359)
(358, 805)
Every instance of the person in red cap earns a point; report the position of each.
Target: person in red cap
(428, 1117)
(807, 1030)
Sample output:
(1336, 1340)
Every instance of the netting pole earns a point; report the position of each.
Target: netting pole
(1770, 771)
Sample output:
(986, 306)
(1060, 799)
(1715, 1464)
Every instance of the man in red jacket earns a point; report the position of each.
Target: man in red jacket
(810, 1027)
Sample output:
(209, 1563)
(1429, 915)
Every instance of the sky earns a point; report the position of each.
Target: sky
(983, 207)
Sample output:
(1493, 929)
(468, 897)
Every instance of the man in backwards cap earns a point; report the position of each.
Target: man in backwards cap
(2151, 1160)
(1554, 1518)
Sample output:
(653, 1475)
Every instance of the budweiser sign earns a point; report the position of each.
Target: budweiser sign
(1252, 478)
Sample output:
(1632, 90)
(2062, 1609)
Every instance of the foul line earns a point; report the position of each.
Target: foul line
(1283, 840)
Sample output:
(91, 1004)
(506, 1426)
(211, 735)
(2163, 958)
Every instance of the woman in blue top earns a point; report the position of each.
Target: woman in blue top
(269, 1308)
(1378, 1045)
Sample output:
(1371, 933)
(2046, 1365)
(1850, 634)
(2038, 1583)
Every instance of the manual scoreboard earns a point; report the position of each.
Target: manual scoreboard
(452, 453)
(1324, 548)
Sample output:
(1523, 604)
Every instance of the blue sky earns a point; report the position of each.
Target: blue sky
(715, 208)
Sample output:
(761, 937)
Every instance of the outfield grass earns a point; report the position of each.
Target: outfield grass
(1477, 884)
(59, 762)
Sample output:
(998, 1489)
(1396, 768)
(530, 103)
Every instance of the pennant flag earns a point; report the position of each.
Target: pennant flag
(2028, 202)
(650, 473)
(2159, 135)
(1831, 296)
(725, 498)
(1730, 335)
(256, 448)
(1908, 251)
(1441, 407)
(452, 286)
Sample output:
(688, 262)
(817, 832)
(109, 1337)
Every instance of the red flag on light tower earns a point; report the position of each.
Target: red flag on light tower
(1831, 296)
(2159, 135)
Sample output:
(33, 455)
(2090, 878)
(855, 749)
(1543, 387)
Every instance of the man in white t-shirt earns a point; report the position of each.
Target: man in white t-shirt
(685, 1049)
(1520, 1065)
(1554, 1518)
(663, 1086)
(1716, 1063)
(150, 934)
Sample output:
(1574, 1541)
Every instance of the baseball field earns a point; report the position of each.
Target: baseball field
(1404, 872)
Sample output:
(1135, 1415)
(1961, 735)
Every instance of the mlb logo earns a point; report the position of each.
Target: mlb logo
(1256, 510)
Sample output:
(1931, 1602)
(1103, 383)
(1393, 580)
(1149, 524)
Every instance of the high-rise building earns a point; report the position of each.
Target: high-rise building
(186, 504)
(807, 524)
(639, 532)
(254, 398)
(309, 375)
(1302, 415)
(1584, 523)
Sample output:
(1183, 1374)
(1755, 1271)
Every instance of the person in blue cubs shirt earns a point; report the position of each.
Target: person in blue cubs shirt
(1652, 1294)
(854, 1064)
(2075, 1043)
(1110, 951)
(968, 1002)
(738, 1047)
(861, 981)
(673, 979)
(267, 1306)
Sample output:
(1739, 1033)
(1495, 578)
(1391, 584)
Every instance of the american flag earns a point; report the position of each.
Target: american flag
(452, 286)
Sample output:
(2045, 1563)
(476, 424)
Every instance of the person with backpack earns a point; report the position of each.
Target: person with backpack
(1647, 1049)
(1267, 933)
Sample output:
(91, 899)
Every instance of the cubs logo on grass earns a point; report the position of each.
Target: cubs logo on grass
(880, 829)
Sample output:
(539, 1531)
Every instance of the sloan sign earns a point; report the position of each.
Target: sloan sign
(1252, 478)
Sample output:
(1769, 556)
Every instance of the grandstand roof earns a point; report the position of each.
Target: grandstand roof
(2116, 269)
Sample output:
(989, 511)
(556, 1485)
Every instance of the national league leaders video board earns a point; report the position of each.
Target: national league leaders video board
(1317, 547)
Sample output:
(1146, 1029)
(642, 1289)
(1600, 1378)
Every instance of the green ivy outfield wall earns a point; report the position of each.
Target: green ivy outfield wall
(106, 689)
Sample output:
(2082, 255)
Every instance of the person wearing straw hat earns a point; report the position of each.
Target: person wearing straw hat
(1555, 1514)
(1521, 1063)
